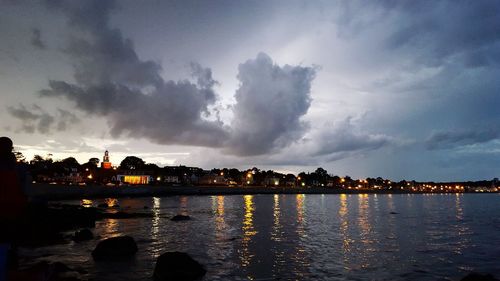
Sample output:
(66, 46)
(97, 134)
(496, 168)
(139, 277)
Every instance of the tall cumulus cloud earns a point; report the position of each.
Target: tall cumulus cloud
(112, 81)
(269, 103)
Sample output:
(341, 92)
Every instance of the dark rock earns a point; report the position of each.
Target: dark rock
(102, 205)
(177, 266)
(124, 215)
(115, 248)
(474, 276)
(180, 218)
(60, 267)
(46, 271)
(83, 235)
(42, 225)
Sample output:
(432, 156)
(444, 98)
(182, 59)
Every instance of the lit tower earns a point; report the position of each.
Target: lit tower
(105, 164)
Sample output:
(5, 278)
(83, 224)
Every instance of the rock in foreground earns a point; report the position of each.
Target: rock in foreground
(83, 235)
(177, 266)
(478, 277)
(115, 248)
(180, 218)
(45, 271)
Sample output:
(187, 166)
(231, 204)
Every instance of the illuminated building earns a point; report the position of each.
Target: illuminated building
(135, 179)
(105, 161)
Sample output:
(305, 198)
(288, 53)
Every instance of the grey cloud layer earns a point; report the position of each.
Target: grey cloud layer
(36, 39)
(423, 71)
(35, 119)
(452, 139)
(343, 138)
(113, 82)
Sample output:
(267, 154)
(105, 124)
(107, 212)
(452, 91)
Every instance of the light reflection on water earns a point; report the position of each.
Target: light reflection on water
(112, 202)
(344, 229)
(365, 236)
(304, 237)
(246, 255)
(86, 203)
(155, 227)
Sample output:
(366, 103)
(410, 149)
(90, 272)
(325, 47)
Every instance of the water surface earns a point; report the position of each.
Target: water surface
(303, 237)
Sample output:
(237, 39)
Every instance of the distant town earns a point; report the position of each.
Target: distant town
(135, 171)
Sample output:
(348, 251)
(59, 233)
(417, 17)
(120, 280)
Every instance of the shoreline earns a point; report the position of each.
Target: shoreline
(67, 192)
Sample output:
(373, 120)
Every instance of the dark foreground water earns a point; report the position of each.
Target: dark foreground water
(303, 237)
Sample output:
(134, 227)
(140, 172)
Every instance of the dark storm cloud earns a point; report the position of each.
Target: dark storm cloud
(36, 39)
(440, 30)
(101, 55)
(113, 82)
(269, 103)
(170, 114)
(452, 139)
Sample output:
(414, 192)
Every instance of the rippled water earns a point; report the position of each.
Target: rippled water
(304, 237)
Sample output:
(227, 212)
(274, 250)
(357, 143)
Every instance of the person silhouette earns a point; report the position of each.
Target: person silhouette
(12, 197)
(13, 202)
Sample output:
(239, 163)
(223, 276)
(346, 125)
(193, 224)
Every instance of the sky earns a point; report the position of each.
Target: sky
(397, 89)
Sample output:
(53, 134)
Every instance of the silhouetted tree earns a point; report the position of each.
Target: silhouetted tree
(94, 161)
(132, 163)
(70, 162)
(151, 167)
(321, 175)
(20, 157)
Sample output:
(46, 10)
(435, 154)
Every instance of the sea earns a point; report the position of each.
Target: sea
(299, 237)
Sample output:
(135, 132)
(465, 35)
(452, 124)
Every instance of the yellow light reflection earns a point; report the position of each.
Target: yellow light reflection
(221, 249)
(344, 226)
(300, 208)
(248, 232)
(111, 228)
(363, 222)
(86, 203)
(220, 205)
(112, 202)
(365, 230)
(220, 224)
(276, 234)
(300, 250)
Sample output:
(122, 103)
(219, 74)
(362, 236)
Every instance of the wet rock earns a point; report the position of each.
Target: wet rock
(46, 271)
(180, 218)
(42, 225)
(115, 248)
(124, 215)
(83, 235)
(177, 266)
(474, 276)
